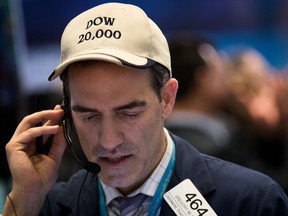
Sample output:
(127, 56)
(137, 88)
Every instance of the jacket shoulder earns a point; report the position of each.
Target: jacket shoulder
(229, 187)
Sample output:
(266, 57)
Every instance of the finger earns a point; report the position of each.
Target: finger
(56, 120)
(26, 141)
(38, 117)
(58, 147)
(57, 107)
(31, 134)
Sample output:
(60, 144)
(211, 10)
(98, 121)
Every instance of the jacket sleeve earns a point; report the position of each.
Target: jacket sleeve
(52, 206)
(63, 196)
(78, 196)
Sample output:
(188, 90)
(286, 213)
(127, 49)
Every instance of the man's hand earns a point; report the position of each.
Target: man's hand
(34, 174)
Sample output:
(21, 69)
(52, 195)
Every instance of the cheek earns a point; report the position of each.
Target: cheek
(150, 135)
(84, 141)
(85, 136)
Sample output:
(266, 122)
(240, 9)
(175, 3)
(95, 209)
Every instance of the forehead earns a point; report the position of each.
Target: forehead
(100, 81)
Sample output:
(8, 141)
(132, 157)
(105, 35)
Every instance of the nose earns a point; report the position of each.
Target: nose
(110, 135)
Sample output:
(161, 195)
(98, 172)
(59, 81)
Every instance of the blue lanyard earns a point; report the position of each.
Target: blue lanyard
(158, 196)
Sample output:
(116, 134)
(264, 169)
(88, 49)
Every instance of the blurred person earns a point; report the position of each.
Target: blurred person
(259, 107)
(118, 90)
(203, 91)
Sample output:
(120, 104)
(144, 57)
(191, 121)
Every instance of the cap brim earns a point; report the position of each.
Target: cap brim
(109, 55)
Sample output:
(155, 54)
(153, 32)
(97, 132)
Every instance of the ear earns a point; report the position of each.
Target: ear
(168, 94)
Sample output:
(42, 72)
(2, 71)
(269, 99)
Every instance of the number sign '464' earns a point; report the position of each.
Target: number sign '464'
(186, 200)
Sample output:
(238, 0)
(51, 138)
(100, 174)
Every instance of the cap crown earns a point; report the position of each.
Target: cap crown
(114, 32)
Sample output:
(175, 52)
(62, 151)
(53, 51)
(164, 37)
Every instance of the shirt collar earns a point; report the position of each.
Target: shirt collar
(150, 185)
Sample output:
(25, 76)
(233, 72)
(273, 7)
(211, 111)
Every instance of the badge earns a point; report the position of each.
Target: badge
(186, 200)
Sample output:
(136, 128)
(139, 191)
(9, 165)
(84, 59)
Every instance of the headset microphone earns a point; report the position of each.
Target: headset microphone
(88, 165)
(91, 167)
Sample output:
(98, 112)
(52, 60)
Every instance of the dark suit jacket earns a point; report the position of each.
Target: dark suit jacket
(231, 190)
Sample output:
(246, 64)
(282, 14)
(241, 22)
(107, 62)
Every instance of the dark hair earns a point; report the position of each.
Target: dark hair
(159, 76)
(186, 61)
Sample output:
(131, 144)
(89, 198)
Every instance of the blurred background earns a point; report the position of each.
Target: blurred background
(31, 30)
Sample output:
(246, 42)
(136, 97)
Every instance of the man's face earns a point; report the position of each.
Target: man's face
(119, 121)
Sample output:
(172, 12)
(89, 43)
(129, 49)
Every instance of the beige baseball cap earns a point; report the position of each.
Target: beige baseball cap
(114, 32)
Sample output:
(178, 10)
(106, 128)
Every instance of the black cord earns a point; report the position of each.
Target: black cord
(79, 194)
(14, 209)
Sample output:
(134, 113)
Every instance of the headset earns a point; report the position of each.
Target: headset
(72, 139)
(70, 135)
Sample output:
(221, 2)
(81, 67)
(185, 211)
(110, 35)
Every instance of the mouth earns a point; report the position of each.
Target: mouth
(115, 161)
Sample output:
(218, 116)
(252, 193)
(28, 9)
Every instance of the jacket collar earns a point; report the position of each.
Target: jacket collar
(191, 165)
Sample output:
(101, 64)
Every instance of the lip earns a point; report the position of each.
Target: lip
(115, 161)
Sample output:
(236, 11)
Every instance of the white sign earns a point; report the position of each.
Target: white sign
(186, 200)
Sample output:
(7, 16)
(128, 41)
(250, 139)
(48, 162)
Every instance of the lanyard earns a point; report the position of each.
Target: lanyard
(158, 196)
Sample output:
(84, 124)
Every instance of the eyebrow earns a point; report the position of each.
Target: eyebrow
(131, 105)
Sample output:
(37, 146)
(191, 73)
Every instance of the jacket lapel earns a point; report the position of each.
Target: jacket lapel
(189, 165)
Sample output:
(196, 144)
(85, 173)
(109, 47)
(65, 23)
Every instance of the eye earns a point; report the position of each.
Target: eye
(90, 117)
(87, 119)
(129, 115)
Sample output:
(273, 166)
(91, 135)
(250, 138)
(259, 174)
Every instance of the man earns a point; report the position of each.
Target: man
(118, 91)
